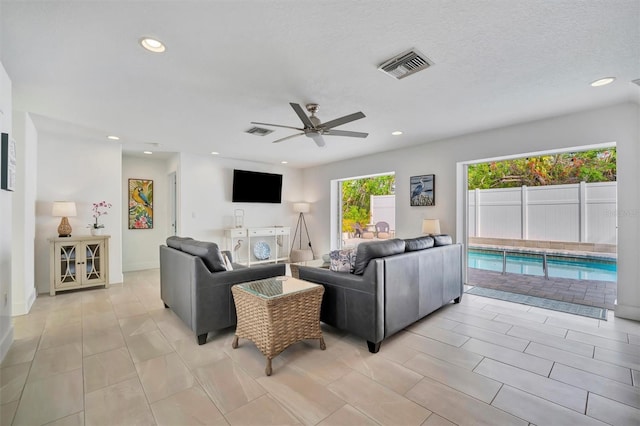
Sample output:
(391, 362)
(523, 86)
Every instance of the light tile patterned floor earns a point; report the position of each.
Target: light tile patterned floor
(117, 357)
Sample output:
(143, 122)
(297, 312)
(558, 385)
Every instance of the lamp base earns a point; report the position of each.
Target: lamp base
(64, 229)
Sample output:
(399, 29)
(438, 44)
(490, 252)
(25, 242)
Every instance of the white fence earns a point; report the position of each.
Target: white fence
(584, 212)
(383, 209)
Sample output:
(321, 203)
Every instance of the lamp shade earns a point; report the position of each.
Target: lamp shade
(430, 226)
(63, 209)
(301, 207)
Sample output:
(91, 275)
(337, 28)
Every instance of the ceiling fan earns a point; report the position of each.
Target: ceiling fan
(313, 128)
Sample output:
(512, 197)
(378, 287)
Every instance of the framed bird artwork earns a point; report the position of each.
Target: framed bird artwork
(140, 204)
(422, 190)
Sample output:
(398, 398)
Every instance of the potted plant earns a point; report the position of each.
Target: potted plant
(99, 209)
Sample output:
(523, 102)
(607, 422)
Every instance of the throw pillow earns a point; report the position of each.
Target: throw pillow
(420, 243)
(374, 250)
(227, 262)
(208, 252)
(342, 260)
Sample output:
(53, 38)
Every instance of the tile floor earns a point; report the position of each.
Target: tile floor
(117, 357)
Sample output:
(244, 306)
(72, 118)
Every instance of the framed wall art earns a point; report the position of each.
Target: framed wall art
(422, 190)
(140, 204)
(8, 163)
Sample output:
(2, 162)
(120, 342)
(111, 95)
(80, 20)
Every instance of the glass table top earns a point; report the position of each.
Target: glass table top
(272, 288)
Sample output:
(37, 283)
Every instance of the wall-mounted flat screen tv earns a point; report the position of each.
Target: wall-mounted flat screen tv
(256, 187)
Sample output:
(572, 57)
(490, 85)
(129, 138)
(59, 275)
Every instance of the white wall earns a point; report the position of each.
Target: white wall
(85, 172)
(206, 209)
(140, 246)
(618, 123)
(6, 203)
(24, 210)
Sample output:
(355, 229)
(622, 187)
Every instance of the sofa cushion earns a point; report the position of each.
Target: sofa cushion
(176, 242)
(420, 243)
(342, 260)
(208, 252)
(374, 250)
(442, 240)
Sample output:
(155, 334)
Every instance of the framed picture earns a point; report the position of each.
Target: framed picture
(140, 204)
(8, 166)
(422, 190)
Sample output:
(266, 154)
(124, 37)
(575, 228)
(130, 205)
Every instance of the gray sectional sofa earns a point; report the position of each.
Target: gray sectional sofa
(196, 285)
(394, 284)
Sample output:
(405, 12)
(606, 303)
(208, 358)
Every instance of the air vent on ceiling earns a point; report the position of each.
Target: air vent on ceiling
(405, 64)
(636, 81)
(259, 131)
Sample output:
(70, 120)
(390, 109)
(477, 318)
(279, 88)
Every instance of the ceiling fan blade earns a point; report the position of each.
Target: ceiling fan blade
(288, 137)
(346, 133)
(301, 114)
(343, 120)
(318, 139)
(276, 125)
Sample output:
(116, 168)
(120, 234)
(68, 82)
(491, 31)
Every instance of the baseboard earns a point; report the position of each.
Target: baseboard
(140, 266)
(627, 312)
(6, 342)
(23, 309)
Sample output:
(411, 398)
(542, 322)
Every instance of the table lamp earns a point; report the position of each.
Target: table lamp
(64, 209)
(431, 226)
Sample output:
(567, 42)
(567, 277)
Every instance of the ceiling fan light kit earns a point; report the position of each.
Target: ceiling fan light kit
(314, 128)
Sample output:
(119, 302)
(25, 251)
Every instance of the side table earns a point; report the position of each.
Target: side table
(275, 313)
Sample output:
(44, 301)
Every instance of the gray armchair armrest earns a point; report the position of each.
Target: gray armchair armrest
(352, 302)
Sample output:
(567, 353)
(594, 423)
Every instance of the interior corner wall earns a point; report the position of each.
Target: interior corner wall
(616, 123)
(140, 246)
(204, 193)
(73, 169)
(6, 207)
(24, 210)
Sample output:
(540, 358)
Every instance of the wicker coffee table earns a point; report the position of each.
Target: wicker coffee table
(275, 313)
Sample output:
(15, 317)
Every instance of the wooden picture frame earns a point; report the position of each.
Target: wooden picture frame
(8, 163)
(140, 204)
(422, 190)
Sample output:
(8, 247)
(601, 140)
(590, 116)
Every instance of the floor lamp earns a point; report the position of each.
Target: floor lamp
(301, 208)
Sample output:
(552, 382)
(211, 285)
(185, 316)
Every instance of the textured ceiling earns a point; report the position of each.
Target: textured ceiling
(77, 66)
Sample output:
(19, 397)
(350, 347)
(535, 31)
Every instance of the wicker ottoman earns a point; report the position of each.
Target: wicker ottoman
(277, 312)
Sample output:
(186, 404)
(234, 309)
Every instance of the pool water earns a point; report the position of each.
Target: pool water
(559, 267)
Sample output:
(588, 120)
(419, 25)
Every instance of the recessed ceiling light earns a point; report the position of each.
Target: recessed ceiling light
(152, 45)
(113, 138)
(148, 152)
(603, 81)
(215, 153)
(396, 133)
(284, 162)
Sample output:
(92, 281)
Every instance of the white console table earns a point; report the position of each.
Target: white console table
(251, 246)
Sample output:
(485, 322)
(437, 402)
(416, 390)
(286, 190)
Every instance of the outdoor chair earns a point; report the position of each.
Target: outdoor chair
(382, 230)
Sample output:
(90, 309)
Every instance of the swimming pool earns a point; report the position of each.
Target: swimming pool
(531, 264)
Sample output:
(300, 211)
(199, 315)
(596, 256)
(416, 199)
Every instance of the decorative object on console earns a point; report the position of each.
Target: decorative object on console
(8, 167)
(299, 254)
(431, 226)
(423, 190)
(140, 204)
(262, 250)
(64, 209)
(99, 209)
(238, 218)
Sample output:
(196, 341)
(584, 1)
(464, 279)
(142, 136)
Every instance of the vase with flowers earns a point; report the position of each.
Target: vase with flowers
(99, 209)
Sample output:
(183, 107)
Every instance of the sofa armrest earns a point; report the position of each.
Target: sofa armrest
(212, 300)
(352, 302)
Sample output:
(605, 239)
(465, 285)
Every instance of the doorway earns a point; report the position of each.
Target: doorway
(366, 209)
(544, 225)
